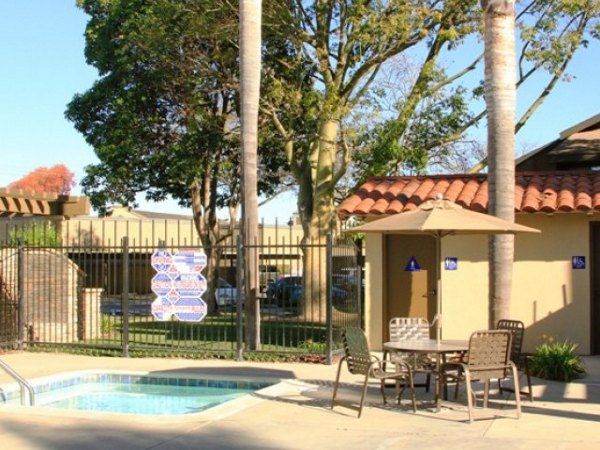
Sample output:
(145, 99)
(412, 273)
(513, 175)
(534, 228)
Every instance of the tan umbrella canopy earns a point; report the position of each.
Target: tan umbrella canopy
(440, 218)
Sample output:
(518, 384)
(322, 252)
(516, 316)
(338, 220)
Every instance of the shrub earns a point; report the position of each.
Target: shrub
(554, 360)
(107, 325)
(313, 347)
(35, 234)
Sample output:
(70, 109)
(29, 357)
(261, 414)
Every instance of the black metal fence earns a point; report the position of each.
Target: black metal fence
(99, 297)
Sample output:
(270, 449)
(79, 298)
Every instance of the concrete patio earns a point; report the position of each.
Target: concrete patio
(297, 415)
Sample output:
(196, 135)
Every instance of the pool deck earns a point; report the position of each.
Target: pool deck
(297, 415)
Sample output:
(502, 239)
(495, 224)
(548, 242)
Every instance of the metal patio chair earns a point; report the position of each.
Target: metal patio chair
(488, 358)
(402, 328)
(517, 328)
(360, 361)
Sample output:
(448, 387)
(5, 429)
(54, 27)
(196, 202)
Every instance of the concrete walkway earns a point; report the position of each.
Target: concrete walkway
(297, 415)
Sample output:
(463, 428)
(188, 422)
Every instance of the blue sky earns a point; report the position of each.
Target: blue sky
(43, 66)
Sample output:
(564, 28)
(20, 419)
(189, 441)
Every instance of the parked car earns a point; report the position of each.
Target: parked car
(225, 294)
(113, 307)
(287, 291)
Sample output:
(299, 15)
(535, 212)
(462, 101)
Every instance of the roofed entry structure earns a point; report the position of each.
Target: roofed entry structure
(556, 275)
(21, 203)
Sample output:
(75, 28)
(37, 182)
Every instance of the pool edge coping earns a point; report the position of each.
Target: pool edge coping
(279, 387)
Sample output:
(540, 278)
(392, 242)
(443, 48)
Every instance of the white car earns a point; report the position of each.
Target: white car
(226, 294)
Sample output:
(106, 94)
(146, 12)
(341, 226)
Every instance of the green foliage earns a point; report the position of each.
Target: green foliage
(162, 118)
(107, 326)
(36, 234)
(555, 360)
(312, 347)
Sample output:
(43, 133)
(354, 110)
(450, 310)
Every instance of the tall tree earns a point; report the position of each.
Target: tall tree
(57, 179)
(333, 53)
(500, 98)
(250, 66)
(162, 118)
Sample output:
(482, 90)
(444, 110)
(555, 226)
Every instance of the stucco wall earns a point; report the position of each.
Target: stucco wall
(549, 296)
(374, 274)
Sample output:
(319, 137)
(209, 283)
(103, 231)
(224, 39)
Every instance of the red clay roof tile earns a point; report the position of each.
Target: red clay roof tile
(535, 192)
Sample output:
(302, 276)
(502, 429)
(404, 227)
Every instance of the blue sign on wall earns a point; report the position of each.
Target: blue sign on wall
(451, 263)
(578, 262)
(412, 265)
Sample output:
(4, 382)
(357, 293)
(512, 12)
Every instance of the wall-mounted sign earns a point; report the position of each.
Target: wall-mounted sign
(412, 265)
(451, 263)
(578, 262)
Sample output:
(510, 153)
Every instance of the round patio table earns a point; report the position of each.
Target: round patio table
(432, 347)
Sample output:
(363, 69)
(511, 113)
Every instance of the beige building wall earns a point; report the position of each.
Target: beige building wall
(550, 297)
(148, 232)
(374, 282)
(109, 231)
(98, 232)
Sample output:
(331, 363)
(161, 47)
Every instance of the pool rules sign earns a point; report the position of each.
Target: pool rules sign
(178, 285)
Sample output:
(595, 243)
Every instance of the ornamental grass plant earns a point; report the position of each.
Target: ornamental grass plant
(553, 360)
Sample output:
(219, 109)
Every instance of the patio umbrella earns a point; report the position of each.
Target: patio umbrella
(440, 218)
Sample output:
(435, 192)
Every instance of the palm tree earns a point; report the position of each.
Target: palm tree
(500, 98)
(250, 65)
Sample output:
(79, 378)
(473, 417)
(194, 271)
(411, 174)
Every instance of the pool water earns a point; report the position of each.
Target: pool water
(137, 394)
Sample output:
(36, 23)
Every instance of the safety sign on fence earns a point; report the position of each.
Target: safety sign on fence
(178, 285)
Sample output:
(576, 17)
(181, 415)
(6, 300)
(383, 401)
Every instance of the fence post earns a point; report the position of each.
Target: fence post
(239, 286)
(329, 301)
(21, 325)
(125, 295)
(360, 263)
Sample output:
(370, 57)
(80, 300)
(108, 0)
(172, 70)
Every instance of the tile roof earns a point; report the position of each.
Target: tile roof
(535, 192)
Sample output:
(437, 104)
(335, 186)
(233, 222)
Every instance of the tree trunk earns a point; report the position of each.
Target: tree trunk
(500, 97)
(250, 62)
(318, 217)
(208, 231)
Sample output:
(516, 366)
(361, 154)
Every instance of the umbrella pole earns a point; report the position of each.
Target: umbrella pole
(438, 289)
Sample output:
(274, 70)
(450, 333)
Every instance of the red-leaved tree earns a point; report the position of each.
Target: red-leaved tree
(56, 179)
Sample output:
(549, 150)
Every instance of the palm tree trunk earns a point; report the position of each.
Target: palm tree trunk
(250, 65)
(500, 98)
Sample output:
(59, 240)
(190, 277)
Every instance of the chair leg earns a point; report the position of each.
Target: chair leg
(470, 405)
(486, 393)
(364, 394)
(382, 389)
(411, 381)
(337, 380)
(529, 391)
(398, 390)
(400, 385)
(517, 391)
(528, 376)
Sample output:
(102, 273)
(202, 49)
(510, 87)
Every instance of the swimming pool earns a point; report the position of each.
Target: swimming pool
(134, 393)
